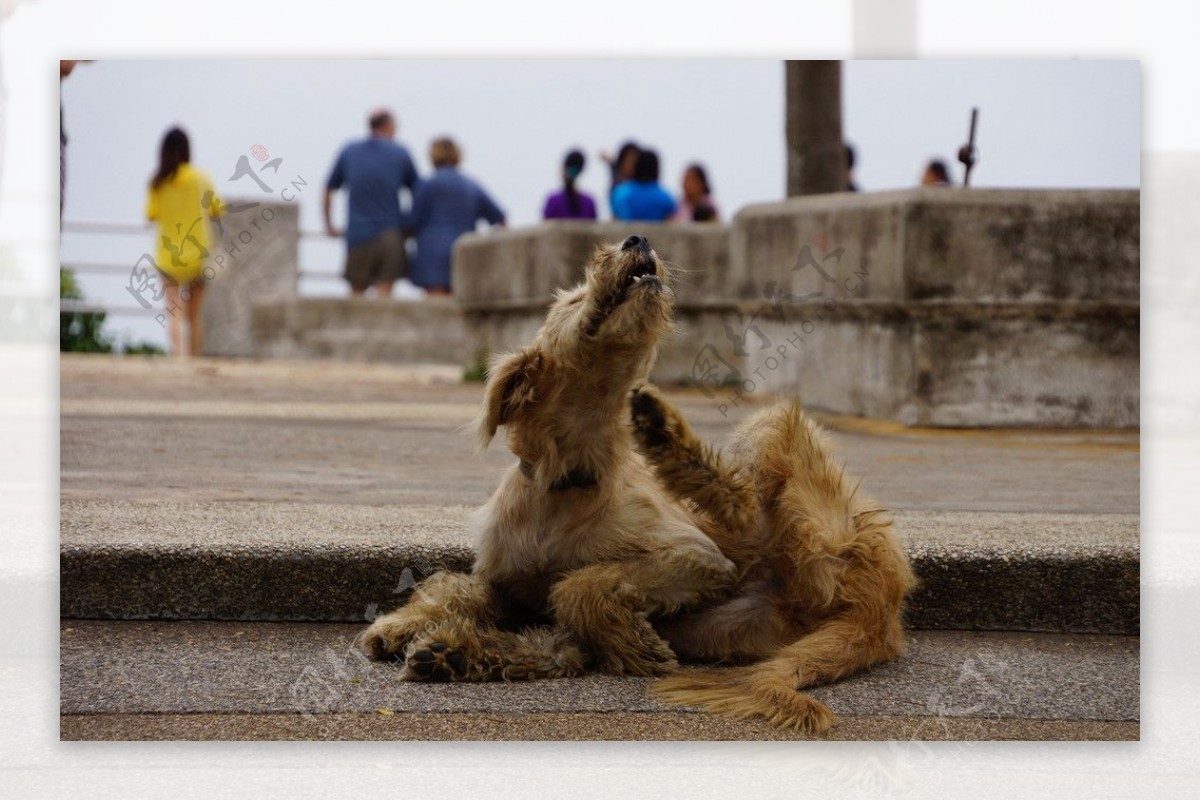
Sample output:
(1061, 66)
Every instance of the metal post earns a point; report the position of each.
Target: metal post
(967, 153)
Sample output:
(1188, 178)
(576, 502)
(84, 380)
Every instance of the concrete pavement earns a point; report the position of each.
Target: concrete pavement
(146, 670)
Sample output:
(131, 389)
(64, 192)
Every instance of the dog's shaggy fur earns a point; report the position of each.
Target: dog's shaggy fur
(631, 543)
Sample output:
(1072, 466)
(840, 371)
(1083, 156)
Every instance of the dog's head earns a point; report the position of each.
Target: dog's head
(599, 340)
(624, 302)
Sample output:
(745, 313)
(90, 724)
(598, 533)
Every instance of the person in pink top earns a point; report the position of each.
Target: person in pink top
(696, 203)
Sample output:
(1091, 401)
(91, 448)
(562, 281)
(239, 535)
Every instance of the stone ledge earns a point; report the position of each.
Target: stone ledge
(256, 561)
(361, 329)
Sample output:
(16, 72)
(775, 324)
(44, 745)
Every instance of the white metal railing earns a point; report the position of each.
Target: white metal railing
(119, 228)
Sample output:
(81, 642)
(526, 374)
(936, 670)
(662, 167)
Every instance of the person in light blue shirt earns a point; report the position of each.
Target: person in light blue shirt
(642, 198)
(374, 170)
(446, 206)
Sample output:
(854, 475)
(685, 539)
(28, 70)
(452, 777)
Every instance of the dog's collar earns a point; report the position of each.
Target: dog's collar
(574, 479)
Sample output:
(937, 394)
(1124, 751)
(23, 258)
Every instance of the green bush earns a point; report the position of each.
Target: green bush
(79, 332)
(477, 370)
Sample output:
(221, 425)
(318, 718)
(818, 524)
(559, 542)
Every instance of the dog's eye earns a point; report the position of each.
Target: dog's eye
(575, 300)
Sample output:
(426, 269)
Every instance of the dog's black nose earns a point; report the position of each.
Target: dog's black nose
(635, 241)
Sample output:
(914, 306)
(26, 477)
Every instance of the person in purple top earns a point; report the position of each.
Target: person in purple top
(570, 203)
(446, 206)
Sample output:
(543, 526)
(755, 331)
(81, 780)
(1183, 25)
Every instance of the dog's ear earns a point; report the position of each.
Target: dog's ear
(512, 384)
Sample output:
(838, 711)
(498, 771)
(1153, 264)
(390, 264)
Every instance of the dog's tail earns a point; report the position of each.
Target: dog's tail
(771, 689)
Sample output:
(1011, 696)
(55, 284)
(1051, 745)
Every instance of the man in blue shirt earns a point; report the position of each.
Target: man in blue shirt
(374, 170)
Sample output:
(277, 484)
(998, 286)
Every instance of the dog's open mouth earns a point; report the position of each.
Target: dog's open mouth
(641, 272)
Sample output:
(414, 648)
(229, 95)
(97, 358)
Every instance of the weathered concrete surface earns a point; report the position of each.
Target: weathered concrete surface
(565, 726)
(1065, 365)
(428, 331)
(287, 561)
(951, 307)
(313, 670)
(255, 261)
(934, 307)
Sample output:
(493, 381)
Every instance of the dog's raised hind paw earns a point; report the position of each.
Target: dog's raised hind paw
(651, 418)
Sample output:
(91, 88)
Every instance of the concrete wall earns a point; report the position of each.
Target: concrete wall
(949, 244)
(524, 266)
(362, 329)
(942, 307)
(255, 262)
(952, 307)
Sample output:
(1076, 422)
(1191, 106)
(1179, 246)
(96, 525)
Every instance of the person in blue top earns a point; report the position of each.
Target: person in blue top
(446, 206)
(374, 169)
(642, 198)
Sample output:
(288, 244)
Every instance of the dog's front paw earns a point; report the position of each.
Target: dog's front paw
(387, 637)
(435, 661)
(652, 419)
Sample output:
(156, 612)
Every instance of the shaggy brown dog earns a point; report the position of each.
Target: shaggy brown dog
(580, 531)
(813, 583)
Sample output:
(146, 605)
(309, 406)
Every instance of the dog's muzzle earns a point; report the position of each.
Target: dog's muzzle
(645, 268)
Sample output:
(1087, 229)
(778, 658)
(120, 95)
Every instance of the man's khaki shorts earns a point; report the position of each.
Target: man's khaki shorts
(381, 259)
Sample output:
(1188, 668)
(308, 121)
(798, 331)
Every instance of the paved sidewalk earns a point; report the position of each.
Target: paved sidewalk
(154, 430)
(141, 671)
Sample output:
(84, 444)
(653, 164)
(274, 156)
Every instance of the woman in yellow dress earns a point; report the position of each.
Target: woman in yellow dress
(181, 200)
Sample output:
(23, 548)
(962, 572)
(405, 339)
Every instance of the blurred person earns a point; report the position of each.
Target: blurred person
(851, 186)
(180, 200)
(570, 203)
(374, 170)
(936, 174)
(65, 68)
(620, 168)
(696, 203)
(446, 206)
(642, 198)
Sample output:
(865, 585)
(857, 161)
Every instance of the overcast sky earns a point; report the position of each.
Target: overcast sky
(1042, 124)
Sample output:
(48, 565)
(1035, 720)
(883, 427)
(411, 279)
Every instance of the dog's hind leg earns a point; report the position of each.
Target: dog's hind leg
(692, 471)
(440, 598)
(745, 629)
(607, 606)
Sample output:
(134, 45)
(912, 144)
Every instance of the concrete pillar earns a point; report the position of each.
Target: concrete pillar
(256, 261)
